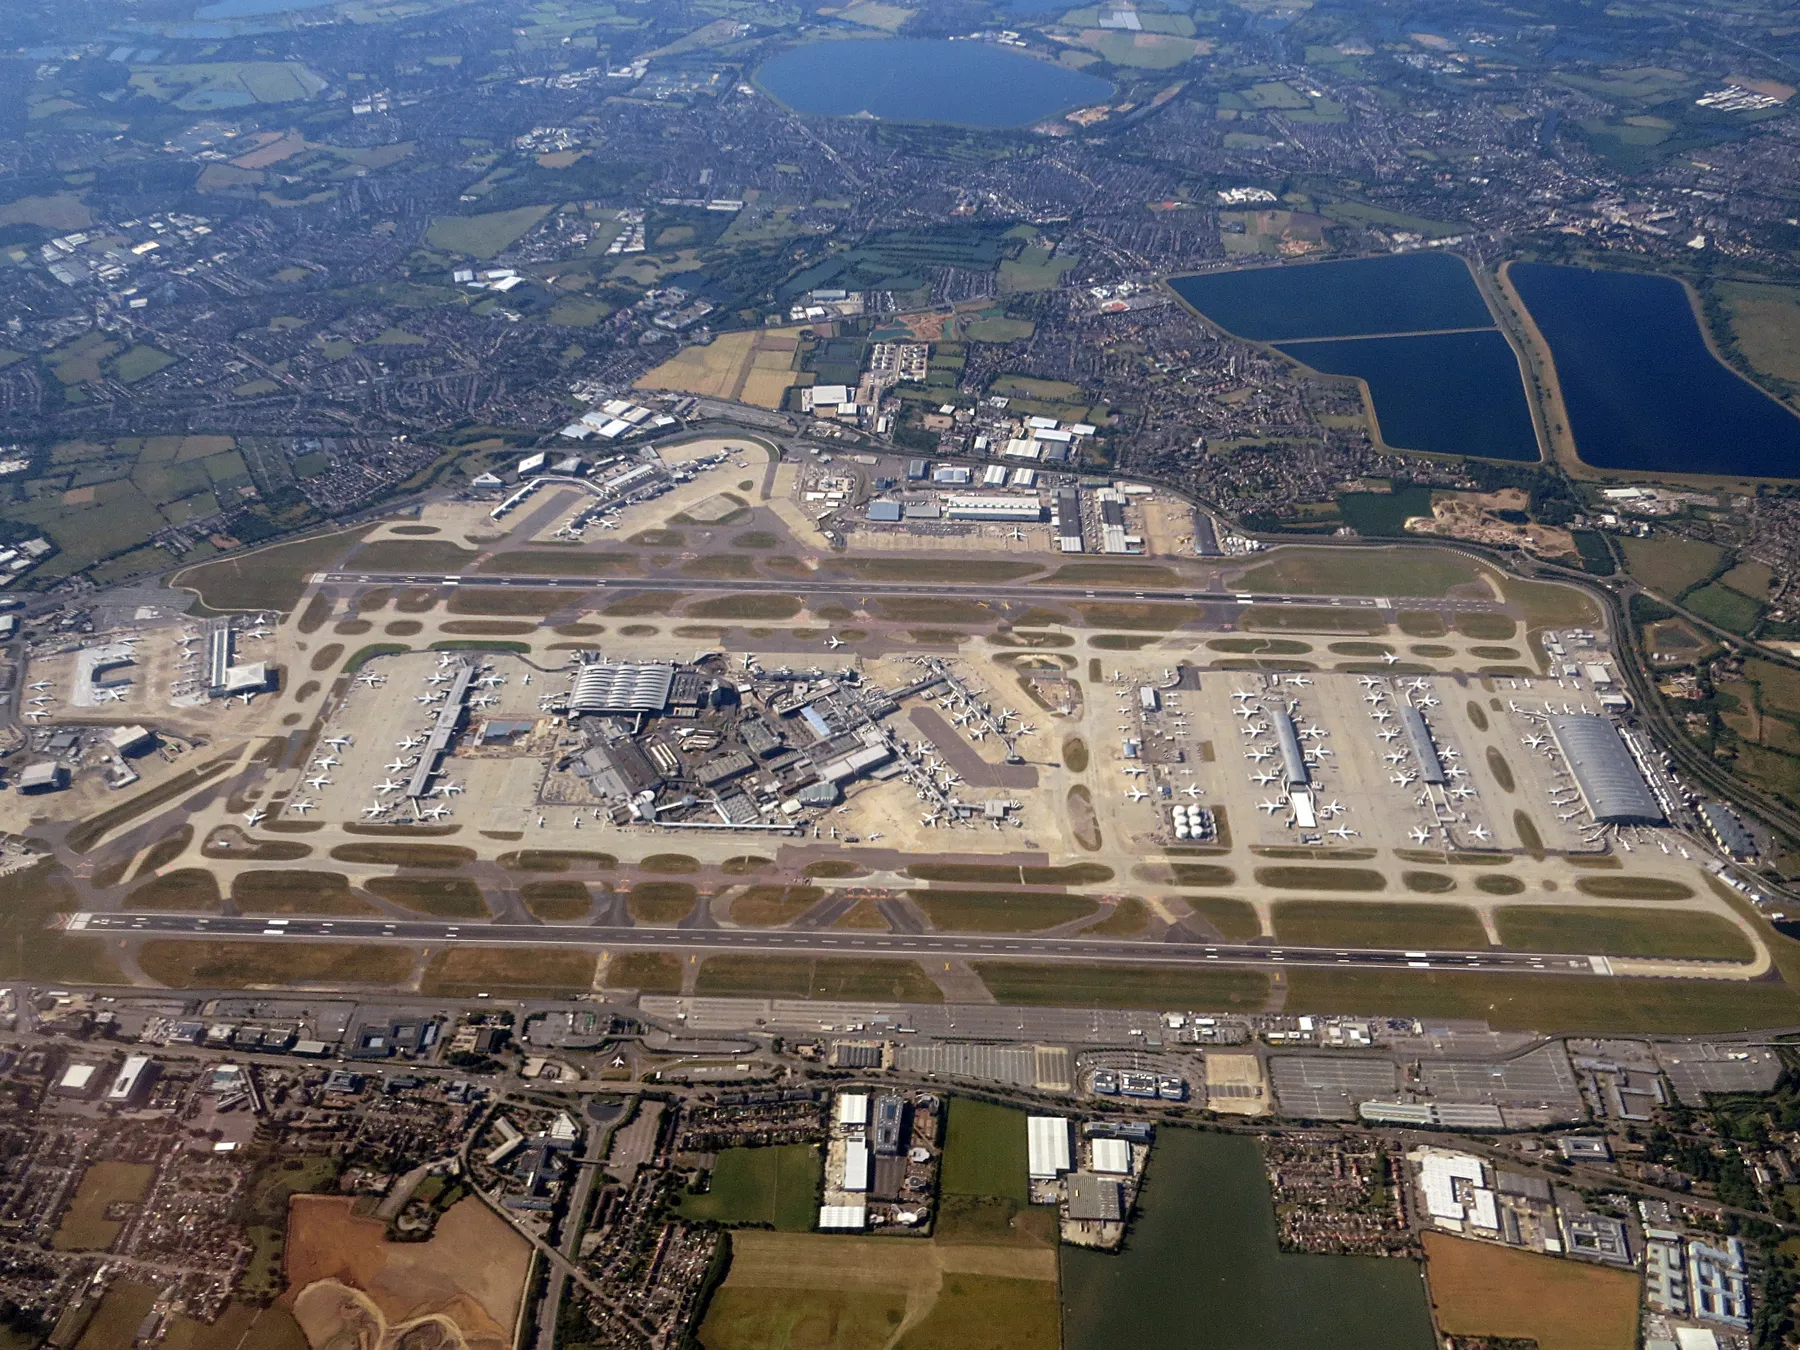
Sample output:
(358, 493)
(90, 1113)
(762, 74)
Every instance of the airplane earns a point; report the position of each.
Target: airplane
(1191, 790)
(1299, 681)
(304, 804)
(1376, 697)
(485, 701)
(1420, 684)
(1570, 816)
(977, 733)
(410, 742)
(435, 813)
(258, 631)
(447, 659)
(39, 701)
(1464, 791)
(1390, 735)
(1026, 729)
(1368, 681)
(527, 679)
(1389, 657)
(1245, 693)
(1136, 795)
(326, 762)
(1257, 756)
(491, 680)
(1420, 835)
(388, 785)
(1017, 535)
(337, 742)
(114, 695)
(1534, 742)
(254, 815)
(439, 678)
(834, 642)
(377, 809)
(1336, 808)
(1264, 779)
(245, 698)
(34, 713)
(396, 764)
(1313, 731)
(1343, 832)
(1403, 779)
(1394, 756)
(1135, 772)
(42, 684)
(1480, 834)
(371, 680)
(424, 698)
(1270, 807)
(317, 782)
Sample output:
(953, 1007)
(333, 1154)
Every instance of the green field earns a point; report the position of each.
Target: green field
(270, 578)
(484, 236)
(1548, 1003)
(1328, 571)
(1721, 605)
(182, 964)
(984, 1152)
(774, 1186)
(441, 897)
(1000, 911)
(1765, 322)
(1622, 932)
(801, 1319)
(826, 977)
(1669, 563)
(1330, 923)
(1111, 986)
(84, 1226)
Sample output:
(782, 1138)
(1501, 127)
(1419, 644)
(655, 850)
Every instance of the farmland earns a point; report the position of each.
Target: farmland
(1479, 1289)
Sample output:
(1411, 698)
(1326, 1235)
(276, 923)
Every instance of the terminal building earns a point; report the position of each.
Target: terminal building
(626, 687)
(1610, 781)
(1293, 758)
(1418, 735)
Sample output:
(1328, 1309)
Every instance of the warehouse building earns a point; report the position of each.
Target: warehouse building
(1095, 1199)
(1418, 735)
(1727, 830)
(1610, 783)
(1047, 1147)
(1008, 509)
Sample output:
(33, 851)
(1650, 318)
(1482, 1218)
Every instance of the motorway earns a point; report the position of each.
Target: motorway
(782, 941)
(851, 586)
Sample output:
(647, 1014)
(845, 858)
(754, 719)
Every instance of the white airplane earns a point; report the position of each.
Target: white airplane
(485, 701)
(258, 631)
(1420, 684)
(34, 714)
(1403, 779)
(41, 685)
(1464, 792)
(1534, 742)
(439, 678)
(1258, 755)
(1420, 835)
(304, 804)
(370, 680)
(326, 762)
(336, 742)
(1270, 807)
(39, 701)
(245, 698)
(1394, 756)
(1134, 771)
(1191, 790)
(317, 781)
(375, 809)
(1299, 681)
(409, 742)
(834, 642)
(1245, 693)
(424, 698)
(1481, 834)
(1136, 795)
(492, 681)
(1390, 735)
(1368, 681)
(396, 764)
(436, 813)
(977, 733)
(1570, 816)
(1376, 697)
(1241, 711)
(1017, 535)
(1343, 832)
(388, 785)
(1264, 779)
(1389, 657)
(254, 815)
(113, 695)
(1336, 808)
(1313, 733)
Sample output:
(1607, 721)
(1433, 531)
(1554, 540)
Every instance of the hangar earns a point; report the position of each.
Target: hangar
(1612, 787)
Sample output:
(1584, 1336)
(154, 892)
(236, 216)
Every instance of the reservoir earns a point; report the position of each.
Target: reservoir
(1449, 393)
(973, 84)
(245, 9)
(1642, 388)
(1201, 1270)
(1406, 293)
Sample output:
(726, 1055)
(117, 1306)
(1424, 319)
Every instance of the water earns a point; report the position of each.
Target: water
(1405, 293)
(1643, 390)
(974, 84)
(1448, 394)
(1202, 1272)
(249, 9)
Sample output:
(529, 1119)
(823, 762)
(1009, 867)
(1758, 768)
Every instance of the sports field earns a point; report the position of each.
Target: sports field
(1480, 1289)
(84, 1226)
(775, 1186)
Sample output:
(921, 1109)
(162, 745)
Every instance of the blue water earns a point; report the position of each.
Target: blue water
(1447, 394)
(1643, 390)
(974, 84)
(1405, 293)
(249, 9)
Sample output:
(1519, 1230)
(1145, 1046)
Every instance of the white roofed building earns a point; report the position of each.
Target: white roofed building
(1047, 1147)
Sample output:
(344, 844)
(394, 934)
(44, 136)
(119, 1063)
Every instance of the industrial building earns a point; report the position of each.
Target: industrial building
(1112, 1157)
(856, 1166)
(1727, 830)
(1456, 1191)
(1719, 1283)
(44, 776)
(853, 1108)
(133, 1081)
(1611, 784)
(1047, 1147)
(1095, 1199)
(1010, 510)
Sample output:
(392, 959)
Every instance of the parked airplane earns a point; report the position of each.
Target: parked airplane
(1134, 771)
(1389, 657)
(1534, 742)
(396, 764)
(245, 698)
(834, 642)
(370, 680)
(113, 695)
(1420, 835)
(1264, 779)
(1299, 681)
(40, 685)
(1258, 755)
(336, 742)
(1343, 832)
(1136, 795)
(388, 785)
(34, 714)
(1368, 681)
(304, 804)
(1390, 735)
(1270, 807)
(1191, 790)
(1403, 779)
(317, 781)
(1480, 834)
(378, 809)
(410, 742)
(254, 815)
(435, 813)
(1394, 756)
(326, 762)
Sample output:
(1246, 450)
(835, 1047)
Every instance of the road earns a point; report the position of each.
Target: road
(781, 941)
(852, 586)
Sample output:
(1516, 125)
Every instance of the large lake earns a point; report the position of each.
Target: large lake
(1642, 388)
(1414, 326)
(245, 9)
(1201, 1270)
(973, 84)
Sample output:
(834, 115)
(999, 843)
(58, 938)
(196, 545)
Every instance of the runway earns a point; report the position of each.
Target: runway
(814, 943)
(1026, 593)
